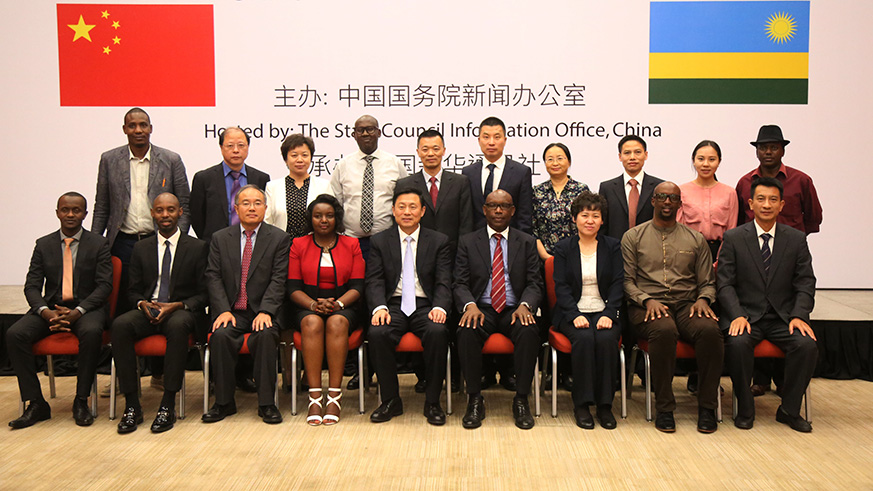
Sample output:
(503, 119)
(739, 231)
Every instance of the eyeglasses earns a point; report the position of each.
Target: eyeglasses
(559, 160)
(662, 197)
(502, 206)
(369, 130)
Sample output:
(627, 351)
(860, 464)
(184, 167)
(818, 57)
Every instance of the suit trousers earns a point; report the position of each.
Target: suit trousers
(383, 341)
(225, 343)
(525, 338)
(31, 328)
(132, 326)
(594, 361)
(701, 332)
(801, 355)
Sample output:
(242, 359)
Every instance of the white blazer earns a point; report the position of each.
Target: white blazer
(277, 215)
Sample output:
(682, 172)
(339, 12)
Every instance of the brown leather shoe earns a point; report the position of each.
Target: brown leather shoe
(759, 390)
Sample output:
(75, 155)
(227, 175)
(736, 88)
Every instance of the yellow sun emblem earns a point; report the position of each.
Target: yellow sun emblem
(781, 27)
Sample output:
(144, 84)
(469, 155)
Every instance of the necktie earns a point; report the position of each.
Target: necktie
(242, 300)
(498, 279)
(433, 191)
(407, 289)
(489, 182)
(234, 188)
(765, 252)
(164, 290)
(367, 196)
(633, 200)
(67, 287)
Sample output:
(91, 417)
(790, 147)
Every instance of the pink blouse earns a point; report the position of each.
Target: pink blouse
(710, 211)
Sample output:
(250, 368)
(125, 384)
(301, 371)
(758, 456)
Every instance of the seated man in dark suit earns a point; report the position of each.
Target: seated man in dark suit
(408, 284)
(498, 287)
(766, 288)
(246, 273)
(75, 268)
(168, 288)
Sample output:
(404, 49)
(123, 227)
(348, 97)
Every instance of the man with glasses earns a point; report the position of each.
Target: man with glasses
(669, 285)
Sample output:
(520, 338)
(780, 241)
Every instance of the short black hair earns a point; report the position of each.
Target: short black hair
(221, 135)
(399, 191)
(295, 140)
(74, 194)
(338, 212)
(137, 110)
(430, 134)
(706, 143)
(562, 147)
(769, 182)
(632, 138)
(589, 201)
(492, 121)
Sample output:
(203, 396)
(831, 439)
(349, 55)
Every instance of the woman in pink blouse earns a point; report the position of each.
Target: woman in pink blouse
(708, 206)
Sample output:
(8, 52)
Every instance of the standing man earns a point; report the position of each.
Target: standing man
(74, 268)
(498, 287)
(766, 288)
(629, 196)
(499, 173)
(168, 288)
(408, 285)
(246, 274)
(669, 285)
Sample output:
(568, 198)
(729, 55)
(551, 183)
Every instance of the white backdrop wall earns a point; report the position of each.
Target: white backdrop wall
(261, 46)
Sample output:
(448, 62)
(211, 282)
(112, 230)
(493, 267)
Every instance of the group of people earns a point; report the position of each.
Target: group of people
(452, 258)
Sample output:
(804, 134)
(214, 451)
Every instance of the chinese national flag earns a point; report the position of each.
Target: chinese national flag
(136, 55)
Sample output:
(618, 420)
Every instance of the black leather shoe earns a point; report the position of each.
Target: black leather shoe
(354, 383)
(692, 383)
(475, 412)
(664, 422)
(420, 386)
(164, 421)
(509, 383)
(129, 420)
(604, 414)
(706, 420)
(270, 414)
(583, 417)
(246, 385)
(795, 422)
(744, 423)
(219, 412)
(488, 381)
(35, 412)
(388, 409)
(566, 383)
(435, 414)
(81, 412)
(521, 413)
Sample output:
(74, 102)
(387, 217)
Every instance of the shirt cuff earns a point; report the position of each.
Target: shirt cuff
(39, 310)
(467, 305)
(81, 310)
(381, 307)
(439, 308)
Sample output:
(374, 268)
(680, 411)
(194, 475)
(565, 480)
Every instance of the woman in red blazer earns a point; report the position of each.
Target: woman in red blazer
(326, 279)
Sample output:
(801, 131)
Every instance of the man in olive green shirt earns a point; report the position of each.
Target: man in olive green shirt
(669, 285)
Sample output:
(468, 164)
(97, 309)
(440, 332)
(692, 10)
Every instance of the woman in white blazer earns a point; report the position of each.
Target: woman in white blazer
(288, 197)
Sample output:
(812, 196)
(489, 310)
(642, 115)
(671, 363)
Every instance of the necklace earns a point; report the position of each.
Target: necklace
(326, 250)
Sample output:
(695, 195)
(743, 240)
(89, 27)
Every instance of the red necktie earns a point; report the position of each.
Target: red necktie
(633, 200)
(242, 300)
(498, 280)
(433, 191)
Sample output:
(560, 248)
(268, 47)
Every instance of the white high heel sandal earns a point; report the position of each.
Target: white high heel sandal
(315, 419)
(332, 419)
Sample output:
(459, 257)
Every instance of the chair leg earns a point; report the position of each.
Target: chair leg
(94, 397)
(51, 369)
(623, 383)
(554, 383)
(112, 398)
(206, 380)
(646, 362)
(363, 384)
(182, 398)
(537, 411)
(630, 370)
(294, 381)
(718, 413)
(20, 408)
(278, 380)
(807, 404)
(448, 380)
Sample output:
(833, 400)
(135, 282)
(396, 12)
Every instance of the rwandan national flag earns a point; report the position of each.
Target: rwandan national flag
(729, 53)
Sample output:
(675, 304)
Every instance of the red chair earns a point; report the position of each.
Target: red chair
(356, 342)
(498, 344)
(410, 343)
(766, 349)
(559, 342)
(66, 343)
(154, 345)
(243, 351)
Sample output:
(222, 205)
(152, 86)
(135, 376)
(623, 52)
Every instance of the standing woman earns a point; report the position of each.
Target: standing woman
(288, 197)
(708, 206)
(589, 276)
(551, 200)
(325, 280)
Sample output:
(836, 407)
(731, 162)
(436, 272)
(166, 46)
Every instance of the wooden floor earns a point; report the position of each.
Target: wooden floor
(407, 453)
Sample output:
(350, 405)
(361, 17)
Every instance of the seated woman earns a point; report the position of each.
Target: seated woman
(589, 276)
(288, 197)
(326, 278)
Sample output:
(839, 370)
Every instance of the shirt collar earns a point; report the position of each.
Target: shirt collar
(499, 163)
(77, 236)
(782, 170)
(257, 229)
(227, 170)
(491, 232)
(147, 157)
(414, 234)
(760, 230)
(439, 176)
(639, 177)
(174, 239)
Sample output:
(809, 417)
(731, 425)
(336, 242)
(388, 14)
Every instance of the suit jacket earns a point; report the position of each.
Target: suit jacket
(516, 180)
(568, 278)
(616, 223)
(744, 289)
(209, 199)
(473, 268)
(453, 215)
(187, 281)
(166, 175)
(433, 264)
(92, 273)
(268, 270)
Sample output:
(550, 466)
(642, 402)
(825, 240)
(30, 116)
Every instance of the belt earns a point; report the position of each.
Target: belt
(136, 237)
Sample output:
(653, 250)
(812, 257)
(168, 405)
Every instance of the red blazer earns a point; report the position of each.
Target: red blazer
(305, 257)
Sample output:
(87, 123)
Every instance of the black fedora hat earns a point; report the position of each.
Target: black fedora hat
(770, 133)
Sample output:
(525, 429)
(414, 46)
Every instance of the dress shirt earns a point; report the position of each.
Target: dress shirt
(802, 209)
(590, 299)
(138, 219)
(667, 264)
(627, 187)
(346, 185)
(242, 240)
(760, 231)
(552, 220)
(74, 250)
(228, 185)
(437, 183)
(511, 301)
(499, 165)
(710, 211)
(174, 242)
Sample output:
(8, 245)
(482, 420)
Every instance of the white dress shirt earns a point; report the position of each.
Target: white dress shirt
(760, 231)
(437, 183)
(499, 165)
(627, 186)
(174, 242)
(346, 185)
(138, 218)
